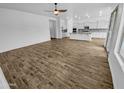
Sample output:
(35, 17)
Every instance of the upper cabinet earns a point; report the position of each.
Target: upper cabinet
(95, 24)
(103, 24)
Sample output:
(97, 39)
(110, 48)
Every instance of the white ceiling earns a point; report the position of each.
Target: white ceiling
(77, 10)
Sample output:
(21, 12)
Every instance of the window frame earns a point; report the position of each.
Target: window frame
(111, 27)
(120, 38)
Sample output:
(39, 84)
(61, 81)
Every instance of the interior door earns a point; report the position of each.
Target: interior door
(52, 25)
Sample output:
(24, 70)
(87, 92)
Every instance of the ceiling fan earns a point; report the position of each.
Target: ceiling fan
(57, 11)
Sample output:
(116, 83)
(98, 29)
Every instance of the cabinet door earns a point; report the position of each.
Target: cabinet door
(103, 24)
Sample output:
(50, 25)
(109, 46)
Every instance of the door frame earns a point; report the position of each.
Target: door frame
(54, 23)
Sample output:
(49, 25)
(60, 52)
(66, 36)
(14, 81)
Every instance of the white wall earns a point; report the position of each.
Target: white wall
(58, 28)
(114, 62)
(19, 29)
(69, 26)
(63, 24)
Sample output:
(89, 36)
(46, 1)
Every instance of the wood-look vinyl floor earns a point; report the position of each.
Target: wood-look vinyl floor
(58, 64)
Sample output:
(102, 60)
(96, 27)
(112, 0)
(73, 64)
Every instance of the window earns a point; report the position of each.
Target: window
(110, 35)
(119, 47)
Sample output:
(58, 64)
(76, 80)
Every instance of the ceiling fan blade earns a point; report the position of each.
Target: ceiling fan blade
(56, 11)
(62, 10)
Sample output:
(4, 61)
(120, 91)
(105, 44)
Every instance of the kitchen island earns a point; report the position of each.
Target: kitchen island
(81, 36)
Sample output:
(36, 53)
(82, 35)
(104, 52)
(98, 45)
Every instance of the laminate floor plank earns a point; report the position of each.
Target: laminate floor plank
(58, 64)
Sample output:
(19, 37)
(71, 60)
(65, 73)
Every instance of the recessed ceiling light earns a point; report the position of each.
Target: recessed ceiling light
(75, 16)
(100, 13)
(87, 15)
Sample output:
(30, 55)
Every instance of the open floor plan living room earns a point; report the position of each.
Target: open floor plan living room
(61, 46)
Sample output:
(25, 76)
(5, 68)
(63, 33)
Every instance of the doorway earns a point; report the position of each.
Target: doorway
(52, 25)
